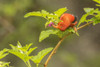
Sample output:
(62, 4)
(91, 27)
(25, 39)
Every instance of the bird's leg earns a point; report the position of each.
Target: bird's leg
(75, 29)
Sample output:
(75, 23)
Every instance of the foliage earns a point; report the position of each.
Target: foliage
(98, 1)
(4, 64)
(60, 34)
(50, 17)
(37, 59)
(45, 34)
(94, 15)
(3, 53)
(24, 52)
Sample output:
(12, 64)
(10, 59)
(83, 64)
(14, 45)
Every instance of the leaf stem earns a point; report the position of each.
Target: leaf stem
(28, 63)
(60, 41)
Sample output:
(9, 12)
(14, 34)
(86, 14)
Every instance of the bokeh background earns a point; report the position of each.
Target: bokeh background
(82, 51)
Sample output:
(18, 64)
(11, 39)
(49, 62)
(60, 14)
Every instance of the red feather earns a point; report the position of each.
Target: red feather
(67, 21)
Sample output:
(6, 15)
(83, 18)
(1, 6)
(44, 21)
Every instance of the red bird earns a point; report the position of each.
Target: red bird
(68, 20)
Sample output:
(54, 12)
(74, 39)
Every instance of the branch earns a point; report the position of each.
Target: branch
(59, 43)
(84, 25)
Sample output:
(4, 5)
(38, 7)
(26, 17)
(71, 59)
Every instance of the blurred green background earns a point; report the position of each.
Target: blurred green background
(83, 51)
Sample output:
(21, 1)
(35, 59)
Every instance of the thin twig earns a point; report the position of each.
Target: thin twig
(59, 43)
(54, 50)
(84, 25)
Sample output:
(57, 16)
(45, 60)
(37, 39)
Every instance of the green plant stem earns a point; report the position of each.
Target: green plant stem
(59, 43)
(28, 64)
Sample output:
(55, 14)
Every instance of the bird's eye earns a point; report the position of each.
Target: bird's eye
(75, 19)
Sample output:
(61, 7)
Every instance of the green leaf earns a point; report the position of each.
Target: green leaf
(44, 13)
(41, 13)
(50, 17)
(96, 11)
(95, 20)
(98, 1)
(19, 45)
(83, 19)
(68, 30)
(22, 56)
(45, 34)
(4, 64)
(60, 11)
(27, 46)
(22, 52)
(33, 14)
(37, 59)
(31, 50)
(17, 52)
(24, 48)
(3, 53)
(98, 5)
(88, 10)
